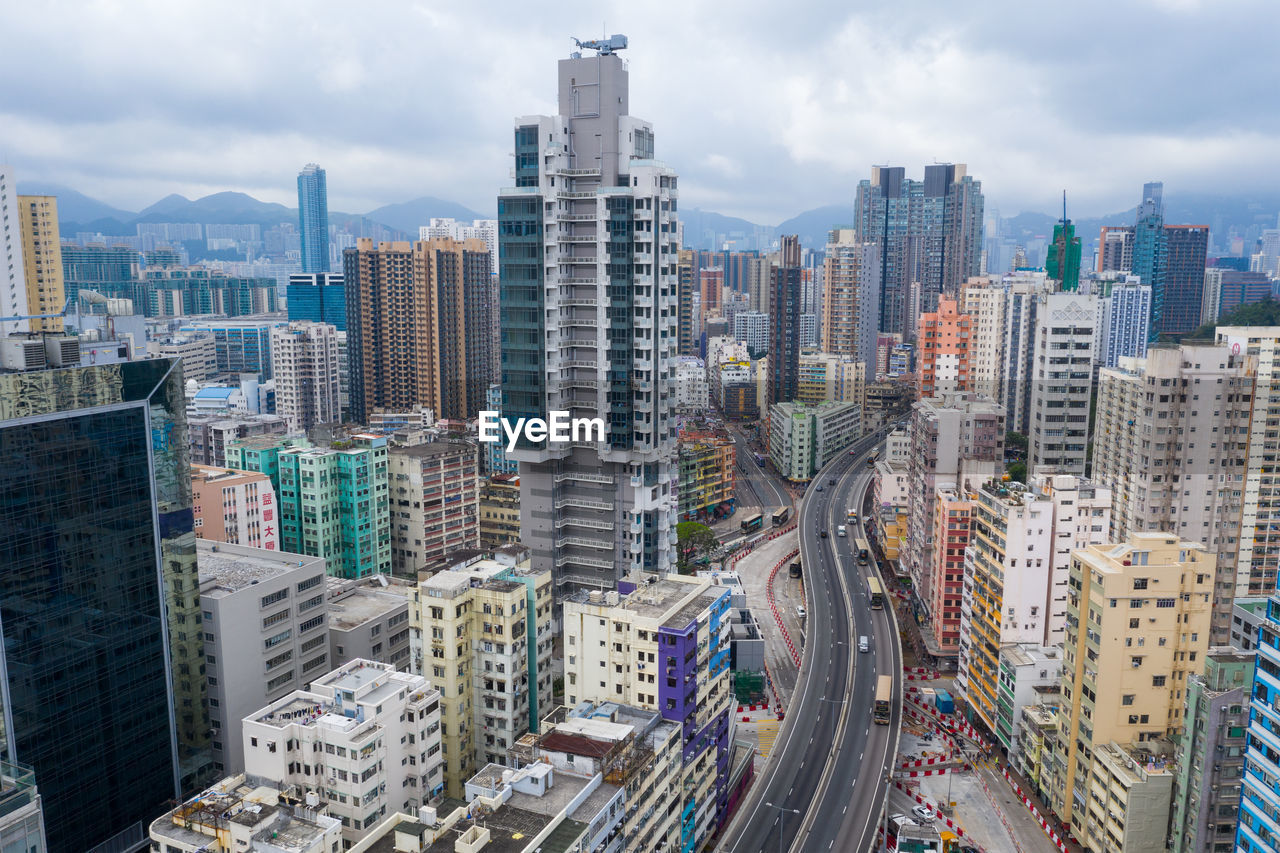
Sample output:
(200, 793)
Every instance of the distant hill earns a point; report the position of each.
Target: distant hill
(813, 225)
(229, 208)
(407, 216)
(74, 206)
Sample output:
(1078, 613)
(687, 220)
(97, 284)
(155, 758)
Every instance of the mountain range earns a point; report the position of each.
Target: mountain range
(702, 229)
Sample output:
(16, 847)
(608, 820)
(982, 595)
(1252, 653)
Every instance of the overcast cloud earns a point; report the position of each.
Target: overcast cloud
(765, 108)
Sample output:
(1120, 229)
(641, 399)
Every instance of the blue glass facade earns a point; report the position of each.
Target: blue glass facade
(102, 662)
(318, 297)
(1259, 828)
(313, 219)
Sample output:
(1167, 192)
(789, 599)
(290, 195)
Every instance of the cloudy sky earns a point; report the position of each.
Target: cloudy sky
(765, 108)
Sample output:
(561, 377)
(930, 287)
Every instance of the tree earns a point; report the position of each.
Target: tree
(693, 539)
(1015, 441)
(1265, 312)
(1017, 472)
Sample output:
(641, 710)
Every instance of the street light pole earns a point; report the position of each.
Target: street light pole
(782, 820)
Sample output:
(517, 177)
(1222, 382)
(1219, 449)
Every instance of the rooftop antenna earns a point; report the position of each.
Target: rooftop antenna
(1064, 207)
(603, 45)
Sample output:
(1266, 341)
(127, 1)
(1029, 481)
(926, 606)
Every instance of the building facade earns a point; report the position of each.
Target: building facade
(1127, 689)
(802, 438)
(62, 532)
(305, 363)
(1068, 331)
(236, 507)
(372, 732)
(589, 328)
(435, 502)
(850, 296)
(264, 635)
(319, 297)
(943, 343)
(42, 261)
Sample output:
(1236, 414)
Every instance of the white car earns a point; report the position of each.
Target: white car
(800, 612)
(923, 813)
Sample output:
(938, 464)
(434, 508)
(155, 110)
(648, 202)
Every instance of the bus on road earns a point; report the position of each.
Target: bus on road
(759, 459)
(884, 694)
(753, 523)
(875, 592)
(871, 457)
(780, 517)
(864, 551)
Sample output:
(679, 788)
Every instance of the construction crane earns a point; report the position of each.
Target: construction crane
(604, 46)
(66, 307)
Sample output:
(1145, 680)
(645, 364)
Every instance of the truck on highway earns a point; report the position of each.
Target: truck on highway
(884, 695)
(944, 703)
(794, 571)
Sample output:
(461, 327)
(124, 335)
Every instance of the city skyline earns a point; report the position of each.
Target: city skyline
(920, 88)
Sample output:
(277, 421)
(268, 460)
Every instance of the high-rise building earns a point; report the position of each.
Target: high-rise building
(364, 722)
(687, 326)
(927, 232)
(236, 507)
(678, 628)
(943, 344)
(1124, 669)
(707, 479)
(1016, 573)
(1115, 249)
(1171, 442)
(1256, 827)
(802, 439)
(319, 297)
(240, 346)
(86, 266)
(435, 500)
(418, 327)
(1210, 762)
(950, 530)
(851, 296)
(499, 511)
(42, 260)
(956, 439)
(589, 328)
(96, 485)
(1259, 551)
(1017, 375)
(313, 219)
(1068, 331)
(826, 377)
(211, 435)
(264, 635)
(784, 325)
(485, 631)
(752, 328)
(1186, 247)
(1150, 249)
(333, 504)
(1226, 290)
(304, 359)
(1126, 317)
(983, 300)
(13, 280)
(1063, 261)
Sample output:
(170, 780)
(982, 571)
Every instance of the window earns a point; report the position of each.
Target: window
(1127, 699)
(309, 583)
(275, 618)
(314, 622)
(281, 595)
(1157, 681)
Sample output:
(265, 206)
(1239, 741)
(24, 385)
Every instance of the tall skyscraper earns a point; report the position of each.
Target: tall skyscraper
(42, 260)
(313, 218)
(851, 297)
(784, 324)
(1186, 247)
(319, 297)
(101, 616)
(1126, 315)
(304, 356)
(687, 331)
(1063, 261)
(418, 332)
(927, 232)
(589, 327)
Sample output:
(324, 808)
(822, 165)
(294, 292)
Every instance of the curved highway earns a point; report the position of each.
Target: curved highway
(824, 787)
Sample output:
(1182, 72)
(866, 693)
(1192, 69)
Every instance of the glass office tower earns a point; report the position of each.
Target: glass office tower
(102, 661)
(313, 218)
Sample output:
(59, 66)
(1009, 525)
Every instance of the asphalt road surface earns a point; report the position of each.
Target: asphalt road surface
(825, 785)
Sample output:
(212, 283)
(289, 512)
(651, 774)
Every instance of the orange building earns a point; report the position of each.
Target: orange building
(943, 350)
